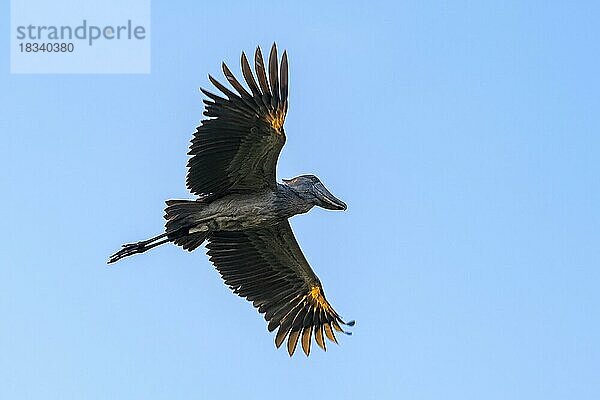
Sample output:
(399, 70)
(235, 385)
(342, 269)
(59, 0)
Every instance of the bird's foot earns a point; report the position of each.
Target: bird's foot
(128, 250)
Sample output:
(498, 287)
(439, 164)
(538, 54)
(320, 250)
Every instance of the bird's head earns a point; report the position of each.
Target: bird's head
(311, 189)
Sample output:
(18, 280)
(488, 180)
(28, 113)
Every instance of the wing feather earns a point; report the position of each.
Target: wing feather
(274, 77)
(234, 82)
(319, 337)
(329, 332)
(306, 335)
(259, 66)
(283, 77)
(247, 72)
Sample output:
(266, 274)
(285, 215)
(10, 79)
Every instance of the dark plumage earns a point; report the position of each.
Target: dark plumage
(243, 212)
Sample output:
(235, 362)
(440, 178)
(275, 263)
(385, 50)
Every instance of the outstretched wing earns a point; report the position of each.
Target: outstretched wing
(267, 267)
(237, 148)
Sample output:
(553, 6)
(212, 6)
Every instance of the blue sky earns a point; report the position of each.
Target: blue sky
(464, 138)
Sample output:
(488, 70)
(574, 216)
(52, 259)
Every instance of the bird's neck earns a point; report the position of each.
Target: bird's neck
(290, 203)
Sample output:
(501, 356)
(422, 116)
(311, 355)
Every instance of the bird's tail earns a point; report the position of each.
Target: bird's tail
(182, 228)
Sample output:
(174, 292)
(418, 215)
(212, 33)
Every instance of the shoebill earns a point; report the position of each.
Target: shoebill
(242, 211)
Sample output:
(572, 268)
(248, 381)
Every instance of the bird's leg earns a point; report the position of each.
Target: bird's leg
(138, 247)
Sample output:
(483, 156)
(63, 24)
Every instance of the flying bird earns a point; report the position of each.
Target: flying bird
(242, 211)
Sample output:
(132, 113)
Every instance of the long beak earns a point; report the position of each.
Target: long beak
(328, 200)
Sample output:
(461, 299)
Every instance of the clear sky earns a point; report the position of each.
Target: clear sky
(464, 138)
